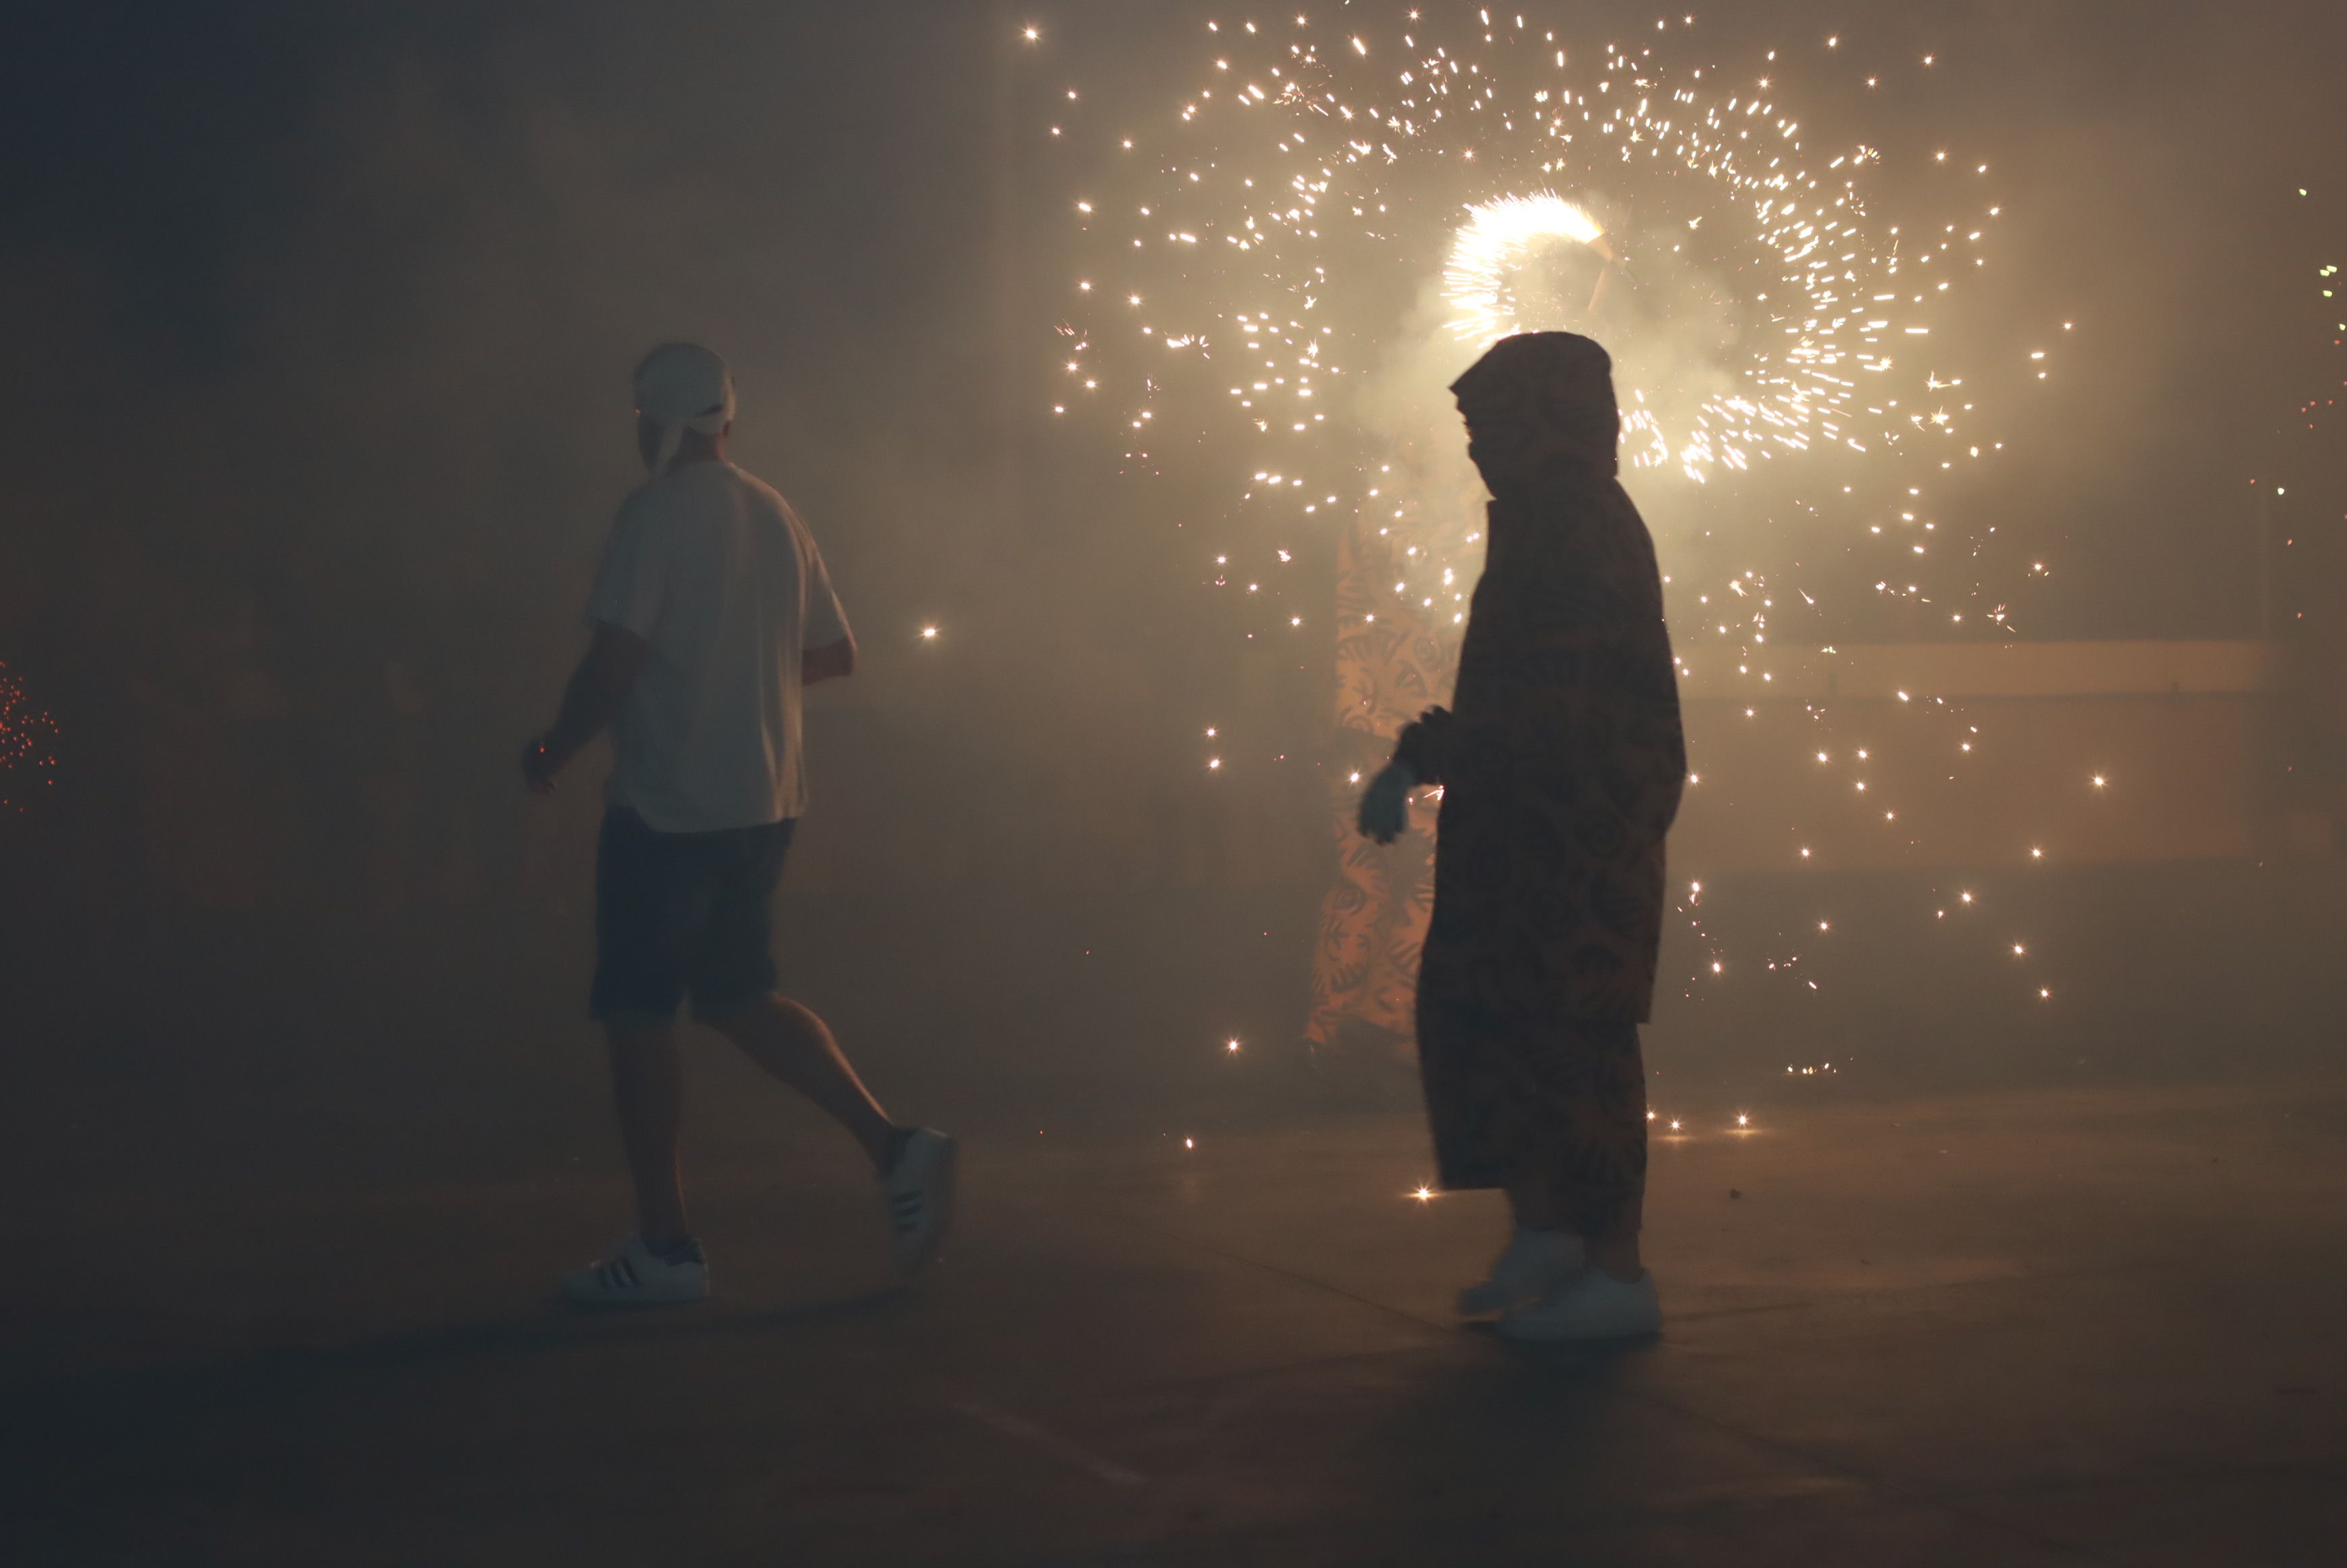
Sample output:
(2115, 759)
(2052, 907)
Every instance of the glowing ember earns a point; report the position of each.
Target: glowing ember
(28, 733)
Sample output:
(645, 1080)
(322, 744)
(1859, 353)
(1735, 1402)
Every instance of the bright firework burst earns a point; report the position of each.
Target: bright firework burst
(1280, 275)
(1276, 240)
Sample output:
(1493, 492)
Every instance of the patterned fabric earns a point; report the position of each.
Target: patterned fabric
(1372, 924)
(1394, 656)
(1558, 1105)
(1562, 763)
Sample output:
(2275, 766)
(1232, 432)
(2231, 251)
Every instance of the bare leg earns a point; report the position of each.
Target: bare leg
(648, 1087)
(790, 1041)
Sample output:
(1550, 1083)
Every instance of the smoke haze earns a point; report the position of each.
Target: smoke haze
(320, 321)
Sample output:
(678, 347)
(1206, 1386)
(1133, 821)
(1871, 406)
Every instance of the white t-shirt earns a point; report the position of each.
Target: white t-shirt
(715, 570)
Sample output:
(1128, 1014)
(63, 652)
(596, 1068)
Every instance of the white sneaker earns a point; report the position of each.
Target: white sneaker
(919, 1189)
(636, 1275)
(1591, 1305)
(1534, 1263)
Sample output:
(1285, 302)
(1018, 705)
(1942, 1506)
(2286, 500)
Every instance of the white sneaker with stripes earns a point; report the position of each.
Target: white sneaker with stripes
(919, 1189)
(636, 1275)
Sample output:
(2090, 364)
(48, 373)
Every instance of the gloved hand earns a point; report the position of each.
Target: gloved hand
(1385, 805)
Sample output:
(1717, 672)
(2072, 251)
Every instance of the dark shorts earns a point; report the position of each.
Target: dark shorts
(684, 913)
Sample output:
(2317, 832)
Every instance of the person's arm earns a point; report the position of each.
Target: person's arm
(832, 662)
(590, 703)
(1425, 745)
(1419, 757)
(1384, 811)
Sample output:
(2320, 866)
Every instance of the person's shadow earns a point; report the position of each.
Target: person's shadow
(1507, 1453)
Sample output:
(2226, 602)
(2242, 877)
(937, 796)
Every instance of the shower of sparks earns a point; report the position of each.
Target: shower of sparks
(27, 735)
(1344, 202)
(1307, 176)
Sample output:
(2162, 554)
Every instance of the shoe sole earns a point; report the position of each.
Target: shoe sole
(1470, 1305)
(1611, 1336)
(1494, 1305)
(940, 1184)
(628, 1303)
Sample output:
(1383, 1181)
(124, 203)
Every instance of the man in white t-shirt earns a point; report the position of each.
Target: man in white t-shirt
(711, 613)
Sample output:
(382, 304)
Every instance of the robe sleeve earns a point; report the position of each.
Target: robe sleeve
(1424, 747)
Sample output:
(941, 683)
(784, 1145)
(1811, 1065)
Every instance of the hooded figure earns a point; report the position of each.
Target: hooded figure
(1561, 761)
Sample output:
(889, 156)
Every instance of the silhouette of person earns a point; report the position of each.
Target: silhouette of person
(711, 611)
(1561, 761)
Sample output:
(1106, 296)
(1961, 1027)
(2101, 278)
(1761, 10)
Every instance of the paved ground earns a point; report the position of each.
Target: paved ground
(2046, 1329)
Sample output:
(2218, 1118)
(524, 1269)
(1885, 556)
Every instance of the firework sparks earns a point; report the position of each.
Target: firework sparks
(1307, 180)
(1254, 272)
(1342, 212)
(27, 735)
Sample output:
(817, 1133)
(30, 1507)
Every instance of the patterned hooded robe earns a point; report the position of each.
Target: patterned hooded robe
(1562, 763)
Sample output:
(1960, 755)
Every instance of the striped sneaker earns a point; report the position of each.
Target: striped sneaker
(919, 1189)
(636, 1275)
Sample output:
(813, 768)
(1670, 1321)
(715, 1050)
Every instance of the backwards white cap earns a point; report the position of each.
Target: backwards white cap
(683, 386)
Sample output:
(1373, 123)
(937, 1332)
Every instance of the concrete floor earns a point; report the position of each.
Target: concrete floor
(2048, 1327)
